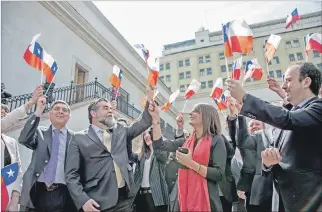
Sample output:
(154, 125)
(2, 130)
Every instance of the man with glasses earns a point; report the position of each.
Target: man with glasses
(44, 186)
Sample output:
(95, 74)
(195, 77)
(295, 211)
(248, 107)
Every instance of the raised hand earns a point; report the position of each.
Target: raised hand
(180, 121)
(271, 156)
(41, 105)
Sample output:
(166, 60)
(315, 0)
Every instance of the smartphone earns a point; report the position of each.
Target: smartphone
(183, 150)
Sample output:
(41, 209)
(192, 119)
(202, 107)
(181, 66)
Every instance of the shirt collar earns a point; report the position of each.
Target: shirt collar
(301, 104)
(63, 130)
(97, 129)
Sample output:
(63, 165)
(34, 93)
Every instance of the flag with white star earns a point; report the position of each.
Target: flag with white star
(37, 57)
(9, 173)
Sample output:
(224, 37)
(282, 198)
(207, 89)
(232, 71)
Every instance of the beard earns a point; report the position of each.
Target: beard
(109, 122)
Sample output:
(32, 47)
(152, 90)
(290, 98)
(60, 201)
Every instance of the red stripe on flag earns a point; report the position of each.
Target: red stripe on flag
(314, 45)
(4, 195)
(228, 52)
(236, 74)
(153, 77)
(166, 107)
(189, 94)
(115, 81)
(257, 73)
(32, 59)
(241, 44)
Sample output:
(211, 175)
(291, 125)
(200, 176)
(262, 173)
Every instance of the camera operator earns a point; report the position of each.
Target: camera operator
(4, 94)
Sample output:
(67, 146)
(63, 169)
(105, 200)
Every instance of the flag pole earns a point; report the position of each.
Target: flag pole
(184, 106)
(42, 71)
(50, 85)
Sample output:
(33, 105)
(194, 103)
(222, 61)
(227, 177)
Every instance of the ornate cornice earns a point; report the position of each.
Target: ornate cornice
(64, 11)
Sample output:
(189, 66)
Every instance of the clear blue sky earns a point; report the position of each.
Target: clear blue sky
(155, 23)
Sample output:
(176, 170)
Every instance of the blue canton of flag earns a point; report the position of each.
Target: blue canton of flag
(9, 173)
(38, 50)
(54, 68)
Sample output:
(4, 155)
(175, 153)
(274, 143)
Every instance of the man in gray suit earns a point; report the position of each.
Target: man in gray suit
(98, 174)
(44, 187)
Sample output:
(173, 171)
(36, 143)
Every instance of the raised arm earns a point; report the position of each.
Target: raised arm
(21, 112)
(146, 121)
(140, 126)
(244, 139)
(28, 135)
(281, 118)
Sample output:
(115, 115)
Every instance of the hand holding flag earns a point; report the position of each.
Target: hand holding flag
(236, 90)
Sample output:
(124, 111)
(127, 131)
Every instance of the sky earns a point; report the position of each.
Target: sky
(156, 23)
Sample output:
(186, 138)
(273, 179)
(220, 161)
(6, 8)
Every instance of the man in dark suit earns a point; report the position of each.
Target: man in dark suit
(44, 186)
(98, 173)
(297, 159)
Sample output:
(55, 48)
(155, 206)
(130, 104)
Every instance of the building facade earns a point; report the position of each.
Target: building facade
(85, 46)
(203, 58)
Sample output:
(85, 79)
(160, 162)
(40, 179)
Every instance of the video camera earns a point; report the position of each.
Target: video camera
(4, 94)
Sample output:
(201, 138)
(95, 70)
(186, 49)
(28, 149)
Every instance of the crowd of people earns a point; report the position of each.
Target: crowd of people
(271, 163)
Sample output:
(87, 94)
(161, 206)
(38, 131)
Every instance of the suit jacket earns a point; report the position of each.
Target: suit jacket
(12, 118)
(216, 166)
(13, 150)
(298, 175)
(158, 185)
(262, 186)
(38, 139)
(227, 184)
(248, 155)
(89, 168)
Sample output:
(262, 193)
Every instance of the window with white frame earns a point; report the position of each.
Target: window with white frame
(207, 59)
(202, 72)
(200, 59)
(167, 66)
(187, 62)
(209, 71)
(203, 85)
(188, 74)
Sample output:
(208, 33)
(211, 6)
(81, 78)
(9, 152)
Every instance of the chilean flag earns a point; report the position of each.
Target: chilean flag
(192, 89)
(271, 46)
(171, 100)
(154, 74)
(253, 69)
(222, 102)
(9, 175)
(236, 69)
(291, 19)
(145, 51)
(116, 77)
(313, 41)
(217, 89)
(238, 37)
(37, 57)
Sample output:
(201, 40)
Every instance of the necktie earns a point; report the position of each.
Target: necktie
(107, 143)
(50, 170)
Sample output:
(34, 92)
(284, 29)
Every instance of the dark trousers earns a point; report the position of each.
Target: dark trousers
(124, 203)
(144, 202)
(239, 206)
(226, 205)
(263, 207)
(57, 200)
